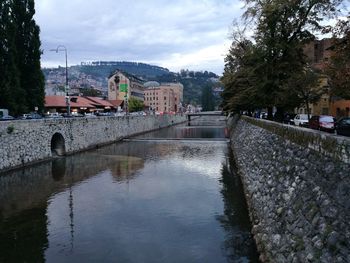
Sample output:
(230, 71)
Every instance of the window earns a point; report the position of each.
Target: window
(164, 98)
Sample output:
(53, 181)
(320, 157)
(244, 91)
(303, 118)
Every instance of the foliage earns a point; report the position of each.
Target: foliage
(338, 68)
(307, 85)
(135, 105)
(261, 75)
(10, 129)
(21, 81)
(193, 81)
(90, 92)
(208, 101)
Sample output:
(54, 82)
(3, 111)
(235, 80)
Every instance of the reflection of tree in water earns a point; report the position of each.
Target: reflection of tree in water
(24, 240)
(239, 244)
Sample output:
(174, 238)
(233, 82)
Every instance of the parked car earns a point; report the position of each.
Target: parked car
(343, 126)
(300, 120)
(7, 118)
(322, 123)
(53, 115)
(90, 115)
(119, 114)
(33, 115)
(288, 118)
(104, 114)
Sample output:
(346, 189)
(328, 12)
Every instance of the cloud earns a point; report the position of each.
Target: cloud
(174, 34)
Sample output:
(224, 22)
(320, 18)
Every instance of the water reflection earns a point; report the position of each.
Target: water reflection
(171, 201)
(239, 245)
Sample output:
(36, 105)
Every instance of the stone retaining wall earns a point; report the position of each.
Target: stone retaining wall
(298, 194)
(28, 141)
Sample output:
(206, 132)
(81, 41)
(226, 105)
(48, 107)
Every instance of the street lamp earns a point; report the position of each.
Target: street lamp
(63, 48)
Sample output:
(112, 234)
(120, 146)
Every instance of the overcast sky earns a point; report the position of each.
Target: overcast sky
(181, 34)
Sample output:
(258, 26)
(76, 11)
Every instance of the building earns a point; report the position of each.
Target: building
(318, 53)
(77, 104)
(101, 105)
(59, 104)
(340, 107)
(322, 107)
(165, 97)
(123, 86)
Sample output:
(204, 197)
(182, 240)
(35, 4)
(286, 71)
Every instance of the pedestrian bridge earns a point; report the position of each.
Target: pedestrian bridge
(204, 113)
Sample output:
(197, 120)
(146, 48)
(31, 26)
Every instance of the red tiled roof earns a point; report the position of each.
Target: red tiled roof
(60, 101)
(99, 102)
(116, 103)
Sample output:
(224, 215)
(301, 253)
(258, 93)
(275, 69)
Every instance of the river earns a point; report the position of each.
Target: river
(166, 196)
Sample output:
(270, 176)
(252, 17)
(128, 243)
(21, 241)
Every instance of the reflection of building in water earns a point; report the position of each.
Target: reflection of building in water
(31, 187)
(25, 195)
(124, 167)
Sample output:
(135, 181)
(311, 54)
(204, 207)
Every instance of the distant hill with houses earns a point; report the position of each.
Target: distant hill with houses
(94, 75)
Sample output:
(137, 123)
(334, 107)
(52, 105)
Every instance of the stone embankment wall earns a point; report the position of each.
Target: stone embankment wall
(28, 141)
(297, 185)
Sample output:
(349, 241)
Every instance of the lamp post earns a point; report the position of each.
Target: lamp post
(63, 48)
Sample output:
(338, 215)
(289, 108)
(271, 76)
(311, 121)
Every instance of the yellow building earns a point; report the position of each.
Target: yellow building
(322, 107)
(165, 97)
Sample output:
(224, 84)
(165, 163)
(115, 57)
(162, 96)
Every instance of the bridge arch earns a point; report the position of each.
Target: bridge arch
(58, 146)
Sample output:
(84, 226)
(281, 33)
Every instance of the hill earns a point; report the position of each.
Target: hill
(95, 74)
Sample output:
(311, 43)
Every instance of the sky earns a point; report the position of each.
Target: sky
(181, 34)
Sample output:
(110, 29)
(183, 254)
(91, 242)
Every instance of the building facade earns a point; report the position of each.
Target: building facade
(166, 97)
(318, 53)
(123, 86)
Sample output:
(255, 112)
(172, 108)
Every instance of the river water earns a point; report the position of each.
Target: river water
(166, 196)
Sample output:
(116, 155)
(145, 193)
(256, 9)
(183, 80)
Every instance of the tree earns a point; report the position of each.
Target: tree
(135, 105)
(90, 92)
(241, 76)
(11, 92)
(281, 29)
(307, 87)
(28, 53)
(208, 100)
(338, 68)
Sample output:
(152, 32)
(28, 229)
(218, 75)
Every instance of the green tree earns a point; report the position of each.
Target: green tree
(90, 92)
(281, 29)
(135, 105)
(338, 68)
(208, 100)
(28, 44)
(307, 87)
(11, 94)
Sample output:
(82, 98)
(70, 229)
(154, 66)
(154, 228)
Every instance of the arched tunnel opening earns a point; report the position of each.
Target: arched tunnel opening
(58, 147)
